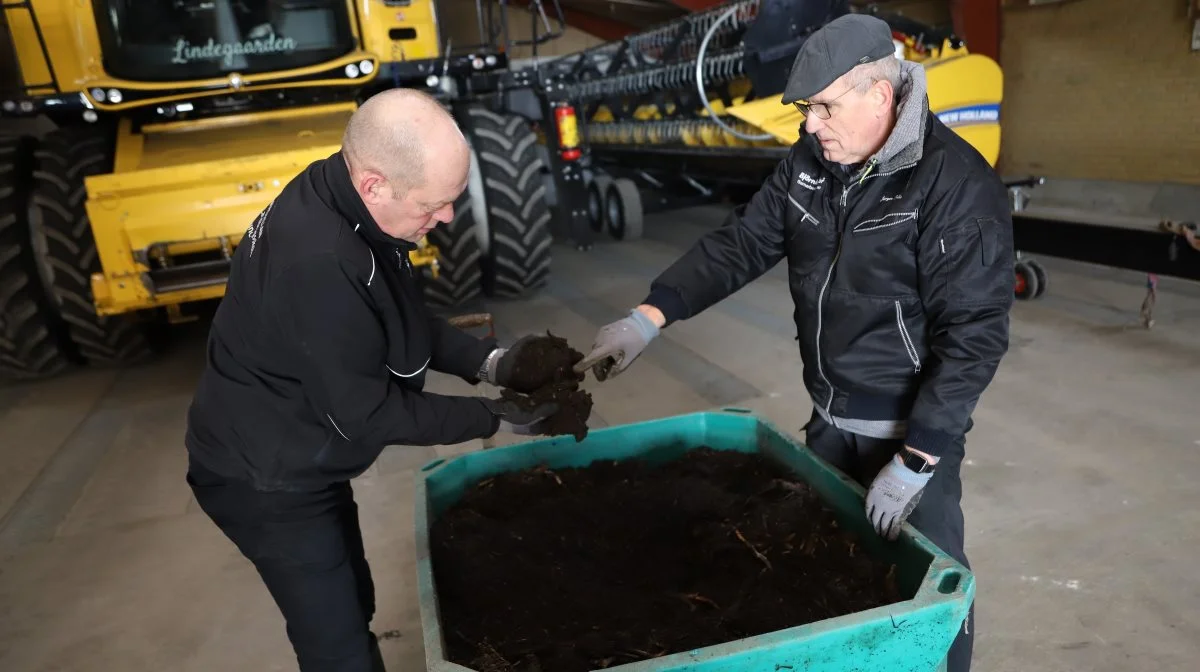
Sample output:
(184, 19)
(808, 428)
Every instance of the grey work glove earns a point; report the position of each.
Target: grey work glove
(517, 420)
(617, 344)
(893, 495)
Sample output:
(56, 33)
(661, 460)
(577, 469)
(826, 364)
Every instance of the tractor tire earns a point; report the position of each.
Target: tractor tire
(66, 250)
(460, 279)
(508, 195)
(31, 345)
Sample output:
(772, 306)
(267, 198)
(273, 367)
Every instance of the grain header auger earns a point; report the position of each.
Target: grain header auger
(694, 105)
(174, 124)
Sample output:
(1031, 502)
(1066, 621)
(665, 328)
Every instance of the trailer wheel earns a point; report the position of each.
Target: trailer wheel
(508, 194)
(1039, 272)
(623, 209)
(65, 249)
(31, 344)
(1026, 286)
(596, 190)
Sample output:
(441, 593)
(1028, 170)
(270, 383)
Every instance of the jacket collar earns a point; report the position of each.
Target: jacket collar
(350, 205)
(905, 145)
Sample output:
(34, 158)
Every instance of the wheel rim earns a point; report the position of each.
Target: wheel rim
(478, 198)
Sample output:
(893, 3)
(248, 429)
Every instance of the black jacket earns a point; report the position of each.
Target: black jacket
(901, 272)
(318, 352)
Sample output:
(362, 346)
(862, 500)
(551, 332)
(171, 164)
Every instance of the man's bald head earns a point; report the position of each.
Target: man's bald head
(408, 161)
(393, 133)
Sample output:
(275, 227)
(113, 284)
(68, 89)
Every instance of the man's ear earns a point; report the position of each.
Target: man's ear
(370, 187)
(881, 96)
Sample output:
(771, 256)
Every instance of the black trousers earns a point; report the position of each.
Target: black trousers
(938, 515)
(308, 549)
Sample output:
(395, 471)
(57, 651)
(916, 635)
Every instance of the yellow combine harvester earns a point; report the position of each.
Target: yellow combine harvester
(176, 122)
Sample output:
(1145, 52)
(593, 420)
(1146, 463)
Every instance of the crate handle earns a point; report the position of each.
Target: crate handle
(434, 464)
(949, 582)
(736, 409)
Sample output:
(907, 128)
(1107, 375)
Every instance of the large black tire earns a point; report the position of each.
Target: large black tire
(516, 258)
(31, 345)
(460, 279)
(66, 250)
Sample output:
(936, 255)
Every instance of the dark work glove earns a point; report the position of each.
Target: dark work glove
(893, 495)
(517, 420)
(499, 368)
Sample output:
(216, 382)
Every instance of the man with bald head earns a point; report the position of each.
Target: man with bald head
(317, 359)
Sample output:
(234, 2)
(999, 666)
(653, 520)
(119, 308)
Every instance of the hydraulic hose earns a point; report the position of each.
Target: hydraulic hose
(700, 81)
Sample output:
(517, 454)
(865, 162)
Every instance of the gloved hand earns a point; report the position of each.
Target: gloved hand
(893, 495)
(517, 420)
(499, 369)
(618, 344)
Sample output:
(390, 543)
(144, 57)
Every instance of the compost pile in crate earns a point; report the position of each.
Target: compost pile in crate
(552, 354)
(577, 569)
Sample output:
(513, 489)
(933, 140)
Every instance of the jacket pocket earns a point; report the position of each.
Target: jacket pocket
(806, 217)
(811, 239)
(885, 222)
(909, 348)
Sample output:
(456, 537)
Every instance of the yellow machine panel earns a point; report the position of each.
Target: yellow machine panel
(183, 189)
(403, 32)
(965, 92)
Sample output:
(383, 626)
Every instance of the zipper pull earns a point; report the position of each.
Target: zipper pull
(870, 165)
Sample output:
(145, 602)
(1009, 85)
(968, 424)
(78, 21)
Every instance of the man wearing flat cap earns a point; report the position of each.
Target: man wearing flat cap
(898, 241)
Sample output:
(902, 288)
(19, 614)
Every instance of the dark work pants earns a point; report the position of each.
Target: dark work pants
(308, 549)
(938, 515)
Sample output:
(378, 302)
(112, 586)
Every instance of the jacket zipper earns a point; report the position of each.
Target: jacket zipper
(805, 214)
(820, 320)
(821, 298)
(909, 347)
(829, 275)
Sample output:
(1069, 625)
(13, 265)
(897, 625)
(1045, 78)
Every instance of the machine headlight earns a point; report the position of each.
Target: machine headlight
(366, 67)
(114, 96)
(352, 71)
(98, 95)
(432, 81)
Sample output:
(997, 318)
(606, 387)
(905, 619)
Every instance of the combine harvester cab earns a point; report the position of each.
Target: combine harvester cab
(176, 124)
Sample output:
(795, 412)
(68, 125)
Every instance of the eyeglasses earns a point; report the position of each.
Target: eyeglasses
(819, 109)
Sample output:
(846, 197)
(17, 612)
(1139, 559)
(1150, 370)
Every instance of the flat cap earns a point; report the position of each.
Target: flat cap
(833, 50)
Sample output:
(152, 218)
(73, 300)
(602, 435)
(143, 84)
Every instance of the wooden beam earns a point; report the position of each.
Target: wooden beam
(978, 23)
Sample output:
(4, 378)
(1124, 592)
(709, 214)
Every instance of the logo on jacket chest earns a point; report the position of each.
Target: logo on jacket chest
(809, 182)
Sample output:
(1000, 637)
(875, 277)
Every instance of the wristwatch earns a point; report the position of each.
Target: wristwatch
(915, 462)
(486, 369)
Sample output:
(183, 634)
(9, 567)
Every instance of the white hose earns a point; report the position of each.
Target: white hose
(700, 81)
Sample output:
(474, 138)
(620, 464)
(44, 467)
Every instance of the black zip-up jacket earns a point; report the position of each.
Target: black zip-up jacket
(901, 272)
(318, 352)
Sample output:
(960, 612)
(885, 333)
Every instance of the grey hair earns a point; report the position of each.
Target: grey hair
(886, 69)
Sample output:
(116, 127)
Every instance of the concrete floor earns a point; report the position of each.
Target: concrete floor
(1081, 497)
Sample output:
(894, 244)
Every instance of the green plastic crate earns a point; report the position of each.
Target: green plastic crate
(913, 635)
